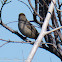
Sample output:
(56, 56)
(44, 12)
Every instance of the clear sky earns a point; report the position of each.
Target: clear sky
(17, 52)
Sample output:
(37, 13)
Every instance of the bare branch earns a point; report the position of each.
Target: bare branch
(4, 44)
(45, 4)
(53, 30)
(42, 34)
(58, 9)
(4, 3)
(11, 30)
(8, 41)
(16, 41)
(34, 10)
(26, 5)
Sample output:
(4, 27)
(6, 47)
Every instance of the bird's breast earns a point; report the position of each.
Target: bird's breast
(25, 30)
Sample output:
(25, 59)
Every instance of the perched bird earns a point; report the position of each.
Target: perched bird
(26, 28)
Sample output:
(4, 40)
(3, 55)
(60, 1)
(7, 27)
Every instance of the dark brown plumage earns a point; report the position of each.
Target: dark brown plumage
(26, 28)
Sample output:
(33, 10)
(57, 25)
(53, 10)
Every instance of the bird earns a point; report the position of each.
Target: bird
(26, 28)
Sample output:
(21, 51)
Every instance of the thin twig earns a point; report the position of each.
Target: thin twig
(45, 3)
(4, 44)
(40, 4)
(11, 30)
(34, 9)
(26, 5)
(58, 9)
(4, 4)
(8, 41)
(15, 41)
(53, 30)
(17, 21)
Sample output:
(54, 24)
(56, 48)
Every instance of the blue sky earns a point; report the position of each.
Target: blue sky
(17, 52)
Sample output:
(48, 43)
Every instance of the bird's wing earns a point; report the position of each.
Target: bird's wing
(31, 27)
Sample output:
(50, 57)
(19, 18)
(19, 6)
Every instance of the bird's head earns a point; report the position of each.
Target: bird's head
(22, 17)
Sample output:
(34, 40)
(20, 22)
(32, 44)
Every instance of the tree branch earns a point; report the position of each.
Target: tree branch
(26, 5)
(42, 34)
(47, 32)
(34, 10)
(11, 30)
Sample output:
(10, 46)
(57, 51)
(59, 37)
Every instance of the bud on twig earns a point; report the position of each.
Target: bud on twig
(5, 0)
